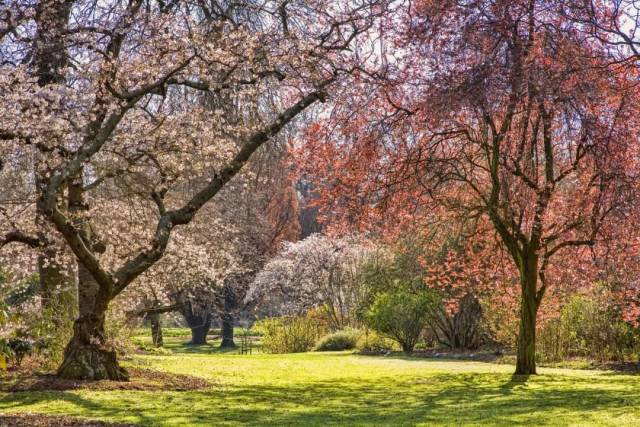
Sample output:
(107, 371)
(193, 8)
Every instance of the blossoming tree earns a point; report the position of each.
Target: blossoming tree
(96, 90)
(499, 111)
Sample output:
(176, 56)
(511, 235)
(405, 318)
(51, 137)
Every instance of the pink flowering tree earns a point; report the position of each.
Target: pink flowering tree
(93, 91)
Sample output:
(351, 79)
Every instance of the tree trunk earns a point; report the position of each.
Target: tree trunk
(227, 332)
(156, 329)
(227, 318)
(526, 356)
(199, 333)
(87, 357)
(199, 322)
(57, 285)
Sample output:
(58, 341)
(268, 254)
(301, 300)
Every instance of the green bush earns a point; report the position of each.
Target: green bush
(345, 339)
(20, 348)
(401, 315)
(287, 334)
(5, 353)
(586, 328)
(373, 342)
(50, 329)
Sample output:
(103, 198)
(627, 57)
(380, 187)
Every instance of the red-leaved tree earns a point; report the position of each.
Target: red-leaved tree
(499, 112)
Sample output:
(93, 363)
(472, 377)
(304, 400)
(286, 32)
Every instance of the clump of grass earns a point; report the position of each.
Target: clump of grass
(344, 339)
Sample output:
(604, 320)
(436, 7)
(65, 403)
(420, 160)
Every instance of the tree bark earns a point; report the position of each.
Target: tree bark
(87, 356)
(526, 356)
(227, 318)
(156, 329)
(199, 321)
(227, 332)
(199, 334)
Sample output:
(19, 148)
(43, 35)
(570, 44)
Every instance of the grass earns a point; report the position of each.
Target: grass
(341, 388)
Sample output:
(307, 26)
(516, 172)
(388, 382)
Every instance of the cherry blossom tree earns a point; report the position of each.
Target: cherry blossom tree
(233, 238)
(316, 272)
(112, 90)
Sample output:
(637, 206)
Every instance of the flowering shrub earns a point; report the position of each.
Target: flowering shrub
(319, 272)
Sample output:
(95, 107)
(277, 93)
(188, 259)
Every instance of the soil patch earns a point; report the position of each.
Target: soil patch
(36, 420)
(623, 367)
(140, 379)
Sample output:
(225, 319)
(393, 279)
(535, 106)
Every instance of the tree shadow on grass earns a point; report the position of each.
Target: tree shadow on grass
(212, 347)
(631, 368)
(87, 408)
(461, 398)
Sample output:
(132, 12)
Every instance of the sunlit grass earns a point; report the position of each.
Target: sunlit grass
(347, 389)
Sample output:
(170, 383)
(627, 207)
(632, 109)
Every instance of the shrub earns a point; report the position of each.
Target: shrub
(50, 329)
(20, 348)
(461, 329)
(401, 315)
(287, 334)
(345, 339)
(586, 328)
(373, 342)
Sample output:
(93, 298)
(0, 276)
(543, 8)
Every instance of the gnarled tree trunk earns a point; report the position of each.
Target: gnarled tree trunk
(199, 321)
(227, 332)
(87, 356)
(199, 333)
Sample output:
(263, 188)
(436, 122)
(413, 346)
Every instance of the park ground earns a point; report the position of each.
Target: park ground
(342, 389)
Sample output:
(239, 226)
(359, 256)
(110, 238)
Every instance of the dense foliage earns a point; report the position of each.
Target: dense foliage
(454, 174)
(288, 334)
(401, 315)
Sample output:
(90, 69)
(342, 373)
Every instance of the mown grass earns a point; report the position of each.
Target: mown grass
(347, 389)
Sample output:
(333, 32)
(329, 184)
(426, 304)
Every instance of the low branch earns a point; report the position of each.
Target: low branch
(155, 310)
(20, 237)
(169, 219)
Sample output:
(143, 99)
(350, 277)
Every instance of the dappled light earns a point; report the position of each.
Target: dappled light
(319, 212)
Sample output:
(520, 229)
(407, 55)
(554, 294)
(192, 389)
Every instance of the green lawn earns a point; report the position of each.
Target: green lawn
(347, 389)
